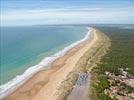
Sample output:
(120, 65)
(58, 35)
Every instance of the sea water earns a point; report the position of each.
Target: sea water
(26, 49)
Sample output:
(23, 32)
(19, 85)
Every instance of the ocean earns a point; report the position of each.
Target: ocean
(23, 47)
(27, 49)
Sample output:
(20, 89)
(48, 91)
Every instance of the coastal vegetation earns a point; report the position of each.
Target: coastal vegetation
(84, 65)
(110, 62)
(113, 76)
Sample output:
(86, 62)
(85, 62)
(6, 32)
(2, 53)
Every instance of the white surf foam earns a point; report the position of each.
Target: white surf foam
(12, 85)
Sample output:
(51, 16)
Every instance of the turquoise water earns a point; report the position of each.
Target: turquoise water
(22, 47)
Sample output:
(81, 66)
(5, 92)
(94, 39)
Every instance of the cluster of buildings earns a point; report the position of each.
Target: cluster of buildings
(121, 85)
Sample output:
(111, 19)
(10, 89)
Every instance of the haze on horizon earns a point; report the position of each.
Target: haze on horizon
(32, 12)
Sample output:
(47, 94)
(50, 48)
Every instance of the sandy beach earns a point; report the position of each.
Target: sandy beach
(44, 84)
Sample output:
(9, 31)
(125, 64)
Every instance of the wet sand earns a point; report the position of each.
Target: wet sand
(44, 84)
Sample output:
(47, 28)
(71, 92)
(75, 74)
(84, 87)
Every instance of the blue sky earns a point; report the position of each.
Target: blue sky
(32, 12)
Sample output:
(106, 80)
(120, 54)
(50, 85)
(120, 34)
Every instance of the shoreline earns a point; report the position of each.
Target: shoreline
(85, 65)
(43, 78)
(44, 64)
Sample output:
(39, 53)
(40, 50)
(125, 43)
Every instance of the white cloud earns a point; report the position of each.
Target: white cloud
(67, 15)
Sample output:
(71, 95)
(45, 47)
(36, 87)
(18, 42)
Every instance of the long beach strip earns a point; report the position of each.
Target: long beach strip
(44, 83)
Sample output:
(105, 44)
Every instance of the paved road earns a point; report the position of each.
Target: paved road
(80, 88)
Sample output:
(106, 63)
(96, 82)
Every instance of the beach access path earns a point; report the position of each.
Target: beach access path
(79, 90)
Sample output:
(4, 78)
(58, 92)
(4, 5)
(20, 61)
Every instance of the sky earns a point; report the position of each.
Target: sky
(38, 12)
